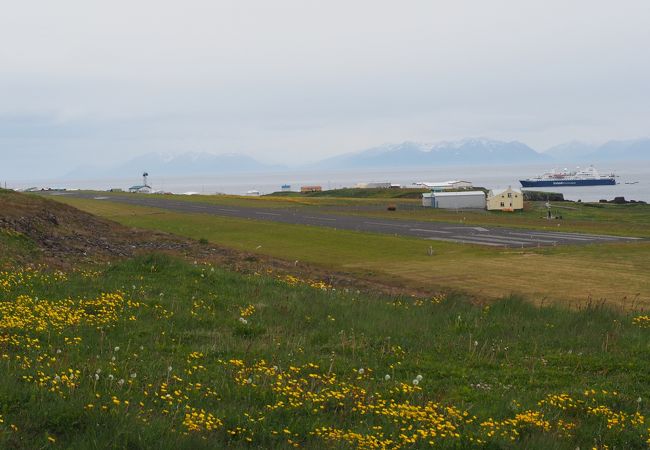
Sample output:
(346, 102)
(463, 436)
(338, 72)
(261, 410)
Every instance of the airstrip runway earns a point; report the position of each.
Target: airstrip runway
(437, 231)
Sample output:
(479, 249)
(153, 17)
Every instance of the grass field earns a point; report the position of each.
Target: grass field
(624, 220)
(615, 273)
(158, 353)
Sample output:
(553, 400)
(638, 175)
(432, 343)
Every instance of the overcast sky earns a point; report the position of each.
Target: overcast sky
(296, 80)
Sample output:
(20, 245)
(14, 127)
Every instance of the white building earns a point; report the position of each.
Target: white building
(140, 189)
(143, 188)
(457, 200)
(445, 185)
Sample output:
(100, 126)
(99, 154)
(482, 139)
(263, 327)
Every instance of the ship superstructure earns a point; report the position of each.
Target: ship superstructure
(579, 177)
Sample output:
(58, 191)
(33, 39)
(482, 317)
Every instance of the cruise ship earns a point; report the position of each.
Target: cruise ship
(580, 177)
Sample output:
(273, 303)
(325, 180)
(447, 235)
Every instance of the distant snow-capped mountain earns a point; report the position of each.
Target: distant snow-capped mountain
(410, 154)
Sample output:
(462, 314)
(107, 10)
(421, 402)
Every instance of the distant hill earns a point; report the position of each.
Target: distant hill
(411, 154)
(570, 151)
(632, 150)
(174, 165)
(638, 149)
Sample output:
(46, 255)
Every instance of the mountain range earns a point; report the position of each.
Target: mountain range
(413, 154)
(479, 151)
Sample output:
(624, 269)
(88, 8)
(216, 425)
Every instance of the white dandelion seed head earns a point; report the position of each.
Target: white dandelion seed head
(117, 349)
(133, 375)
(58, 351)
(113, 358)
(169, 368)
(120, 381)
(419, 378)
(96, 376)
(416, 382)
(243, 320)
(361, 371)
(110, 376)
(386, 377)
(639, 400)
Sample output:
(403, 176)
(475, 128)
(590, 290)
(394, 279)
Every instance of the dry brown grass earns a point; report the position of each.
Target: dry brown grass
(616, 274)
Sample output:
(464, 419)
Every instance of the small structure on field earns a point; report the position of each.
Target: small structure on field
(455, 200)
(304, 189)
(286, 188)
(505, 200)
(143, 188)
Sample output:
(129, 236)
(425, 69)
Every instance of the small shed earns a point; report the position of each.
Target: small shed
(458, 200)
(505, 200)
(427, 200)
(311, 188)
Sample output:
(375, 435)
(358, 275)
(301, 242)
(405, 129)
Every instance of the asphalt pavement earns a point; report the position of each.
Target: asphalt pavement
(437, 231)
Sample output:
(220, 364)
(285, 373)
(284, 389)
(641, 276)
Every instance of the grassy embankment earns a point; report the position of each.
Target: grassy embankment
(158, 353)
(617, 273)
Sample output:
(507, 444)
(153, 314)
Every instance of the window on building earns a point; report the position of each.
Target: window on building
(509, 194)
(503, 204)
